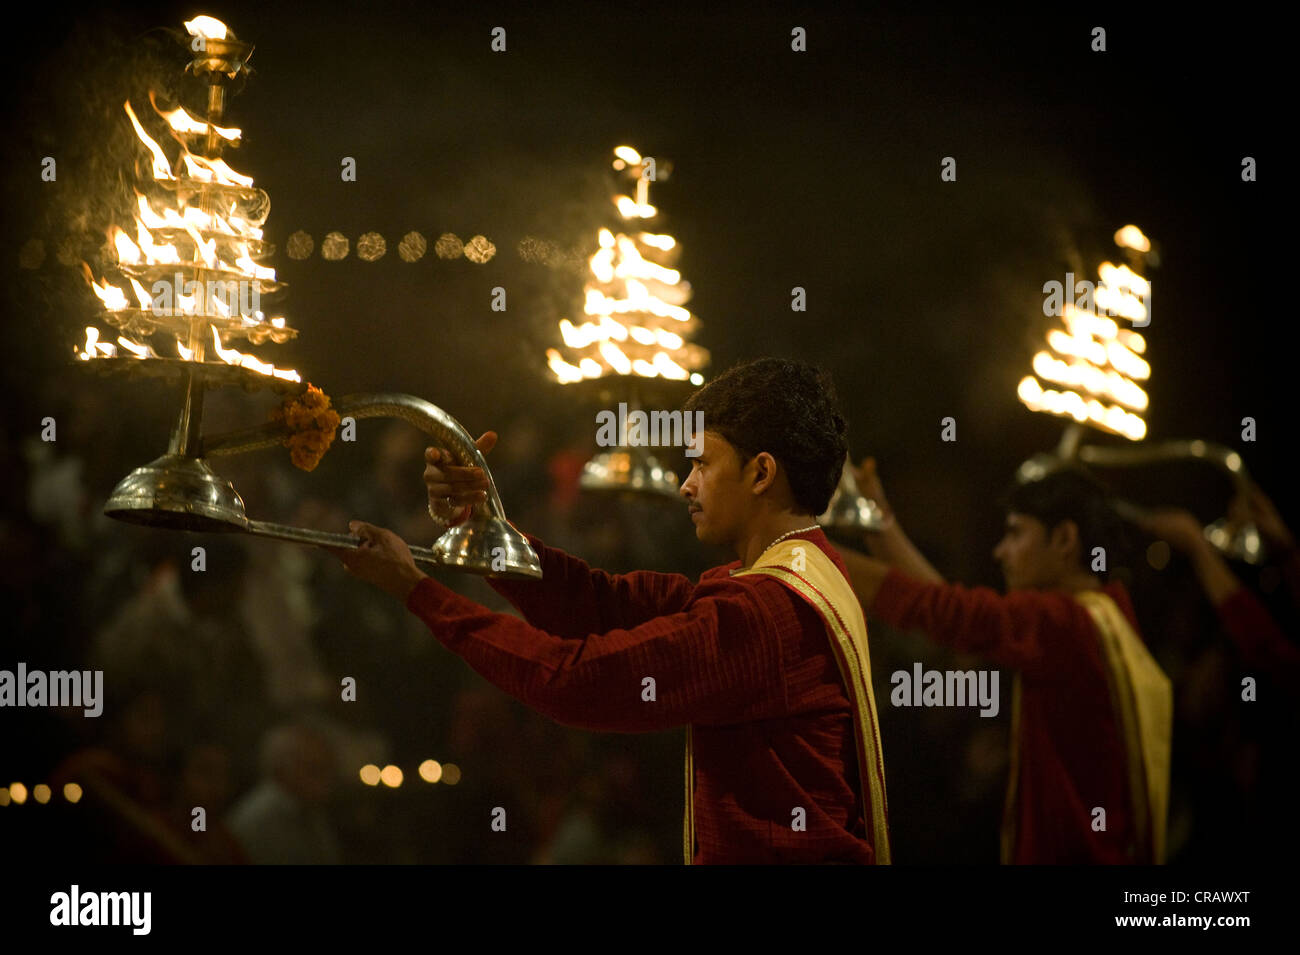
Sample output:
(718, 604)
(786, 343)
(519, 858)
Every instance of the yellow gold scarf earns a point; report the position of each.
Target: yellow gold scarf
(805, 568)
(1143, 701)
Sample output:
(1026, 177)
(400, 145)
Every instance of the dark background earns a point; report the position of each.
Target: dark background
(818, 169)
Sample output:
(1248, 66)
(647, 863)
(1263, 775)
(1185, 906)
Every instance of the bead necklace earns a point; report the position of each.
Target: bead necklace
(788, 534)
(781, 538)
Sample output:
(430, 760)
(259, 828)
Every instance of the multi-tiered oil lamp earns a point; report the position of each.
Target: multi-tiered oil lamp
(194, 269)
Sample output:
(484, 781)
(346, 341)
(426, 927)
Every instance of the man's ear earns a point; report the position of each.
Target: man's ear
(1064, 540)
(764, 472)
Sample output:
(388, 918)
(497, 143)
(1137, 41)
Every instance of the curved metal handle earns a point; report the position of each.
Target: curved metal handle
(424, 415)
(510, 554)
(1226, 459)
(1244, 544)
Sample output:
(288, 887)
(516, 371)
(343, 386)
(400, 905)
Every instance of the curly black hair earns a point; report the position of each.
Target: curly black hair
(1071, 493)
(788, 409)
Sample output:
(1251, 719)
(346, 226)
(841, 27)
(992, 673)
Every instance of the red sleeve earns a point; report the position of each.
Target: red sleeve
(1260, 640)
(1026, 629)
(572, 599)
(718, 660)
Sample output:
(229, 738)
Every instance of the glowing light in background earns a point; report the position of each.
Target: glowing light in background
(633, 297)
(1158, 555)
(449, 246)
(208, 27)
(370, 774)
(1131, 237)
(1093, 361)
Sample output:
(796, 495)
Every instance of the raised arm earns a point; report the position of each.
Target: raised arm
(1247, 622)
(717, 660)
(890, 543)
(1025, 629)
(573, 599)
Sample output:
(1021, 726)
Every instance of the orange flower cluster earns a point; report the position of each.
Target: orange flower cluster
(311, 424)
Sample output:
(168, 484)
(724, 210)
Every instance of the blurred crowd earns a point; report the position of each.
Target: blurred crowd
(226, 737)
(225, 686)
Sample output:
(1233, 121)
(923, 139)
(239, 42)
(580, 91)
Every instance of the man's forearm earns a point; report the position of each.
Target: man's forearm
(574, 599)
(596, 681)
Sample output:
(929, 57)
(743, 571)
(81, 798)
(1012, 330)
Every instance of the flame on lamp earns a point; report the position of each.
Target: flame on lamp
(635, 320)
(197, 220)
(1094, 361)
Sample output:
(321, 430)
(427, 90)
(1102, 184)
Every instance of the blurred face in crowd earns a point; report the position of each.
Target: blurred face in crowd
(720, 505)
(1032, 558)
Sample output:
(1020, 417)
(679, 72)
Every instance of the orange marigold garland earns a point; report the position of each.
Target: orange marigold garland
(311, 424)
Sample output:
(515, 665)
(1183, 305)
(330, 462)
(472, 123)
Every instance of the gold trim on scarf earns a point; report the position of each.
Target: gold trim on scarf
(820, 582)
(1142, 699)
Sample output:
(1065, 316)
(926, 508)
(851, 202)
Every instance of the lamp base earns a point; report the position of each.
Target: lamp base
(178, 493)
(629, 470)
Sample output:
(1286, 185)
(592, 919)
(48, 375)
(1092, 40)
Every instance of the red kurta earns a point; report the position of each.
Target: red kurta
(745, 660)
(1072, 755)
